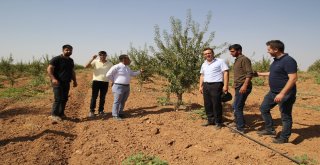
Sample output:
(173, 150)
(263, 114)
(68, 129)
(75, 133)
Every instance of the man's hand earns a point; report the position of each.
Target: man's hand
(243, 89)
(75, 84)
(279, 98)
(225, 88)
(94, 57)
(55, 82)
(201, 89)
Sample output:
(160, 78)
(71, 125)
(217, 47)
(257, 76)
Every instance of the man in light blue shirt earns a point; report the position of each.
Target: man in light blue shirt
(120, 76)
(214, 80)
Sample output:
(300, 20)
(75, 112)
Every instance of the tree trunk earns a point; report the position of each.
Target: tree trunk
(179, 101)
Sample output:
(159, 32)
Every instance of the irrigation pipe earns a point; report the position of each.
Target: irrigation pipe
(264, 145)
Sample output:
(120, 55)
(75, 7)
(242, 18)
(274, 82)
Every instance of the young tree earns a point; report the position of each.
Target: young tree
(141, 60)
(179, 54)
(8, 69)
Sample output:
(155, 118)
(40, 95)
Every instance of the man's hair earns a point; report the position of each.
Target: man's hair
(66, 46)
(122, 57)
(208, 49)
(276, 44)
(236, 47)
(103, 53)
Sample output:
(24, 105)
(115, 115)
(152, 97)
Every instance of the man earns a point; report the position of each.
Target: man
(120, 76)
(99, 81)
(214, 80)
(282, 82)
(61, 72)
(242, 84)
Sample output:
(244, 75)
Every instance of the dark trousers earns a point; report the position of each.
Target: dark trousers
(96, 87)
(212, 101)
(238, 105)
(286, 112)
(61, 93)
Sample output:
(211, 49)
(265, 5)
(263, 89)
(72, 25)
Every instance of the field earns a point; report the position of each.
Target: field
(28, 136)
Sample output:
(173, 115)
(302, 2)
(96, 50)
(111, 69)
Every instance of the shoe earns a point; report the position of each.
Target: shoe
(218, 126)
(266, 132)
(117, 118)
(91, 114)
(207, 124)
(279, 140)
(101, 113)
(63, 116)
(122, 115)
(236, 130)
(56, 118)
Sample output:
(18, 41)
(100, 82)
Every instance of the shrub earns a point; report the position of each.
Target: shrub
(262, 66)
(141, 159)
(8, 69)
(304, 160)
(258, 81)
(315, 67)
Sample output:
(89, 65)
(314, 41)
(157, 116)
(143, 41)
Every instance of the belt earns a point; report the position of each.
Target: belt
(122, 84)
(212, 82)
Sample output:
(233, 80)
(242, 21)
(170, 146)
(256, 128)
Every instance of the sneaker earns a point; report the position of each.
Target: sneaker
(218, 126)
(56, 118)
(91, 114)
(117, 118)
(279, 140)
(236, 130)
(207, 124)
(266, 132)
(122, 115)
(101, 113)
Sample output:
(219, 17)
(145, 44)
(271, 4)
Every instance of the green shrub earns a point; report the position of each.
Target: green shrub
(315, 67)
(8, 69)
(262, 66)
(305, 160)
(163, 101)
(258, 81)
(141, 159)
(201, 112)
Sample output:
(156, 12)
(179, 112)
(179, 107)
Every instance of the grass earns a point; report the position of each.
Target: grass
(200, 112)
(142, 159)
(316, 108)
(305, 160)
(18, 93)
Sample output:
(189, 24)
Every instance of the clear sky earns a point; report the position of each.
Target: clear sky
(33, 28)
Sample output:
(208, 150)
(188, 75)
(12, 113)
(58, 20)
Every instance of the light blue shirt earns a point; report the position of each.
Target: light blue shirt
(121, 74)
(213, 72)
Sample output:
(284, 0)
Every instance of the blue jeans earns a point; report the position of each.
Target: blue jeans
(96, 87)
(286, 112)
(121, 94)
(61, 93)
(238, 105)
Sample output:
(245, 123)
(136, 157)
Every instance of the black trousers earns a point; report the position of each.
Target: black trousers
(212, 101)
(61, 93)
(102, 87)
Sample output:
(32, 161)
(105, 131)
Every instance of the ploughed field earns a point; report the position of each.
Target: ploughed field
(28, 136)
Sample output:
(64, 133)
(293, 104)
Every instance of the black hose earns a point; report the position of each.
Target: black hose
(264, 145)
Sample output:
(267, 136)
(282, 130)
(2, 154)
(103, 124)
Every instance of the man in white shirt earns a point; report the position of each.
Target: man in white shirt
(214, 80)
(120, 76)
(99, 81)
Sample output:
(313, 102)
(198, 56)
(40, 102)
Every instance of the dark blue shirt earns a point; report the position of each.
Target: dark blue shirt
(63, 68)
(279, 70)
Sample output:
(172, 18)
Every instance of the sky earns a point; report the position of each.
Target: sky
(35, 28)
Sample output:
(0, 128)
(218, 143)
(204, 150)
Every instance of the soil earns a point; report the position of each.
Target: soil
(28, 135)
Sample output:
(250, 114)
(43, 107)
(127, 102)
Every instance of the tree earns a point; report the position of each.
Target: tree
(141, 60)
(179, 54)
(8, 69)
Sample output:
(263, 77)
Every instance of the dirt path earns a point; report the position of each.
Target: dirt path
(27, 136)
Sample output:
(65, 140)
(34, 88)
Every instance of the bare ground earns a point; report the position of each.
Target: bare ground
(28, 136)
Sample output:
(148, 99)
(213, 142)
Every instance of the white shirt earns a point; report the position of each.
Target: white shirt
(121, 74)
(213, 72)
(100, 70)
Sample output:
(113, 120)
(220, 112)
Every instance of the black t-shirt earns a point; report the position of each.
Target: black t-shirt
(63, 68)
(279, 70)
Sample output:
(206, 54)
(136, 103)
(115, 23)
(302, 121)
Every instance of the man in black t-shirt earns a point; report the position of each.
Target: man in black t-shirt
(61, 72)
(282, 81)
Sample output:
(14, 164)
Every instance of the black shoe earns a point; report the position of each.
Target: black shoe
(236, 130)
(122, 115)
(101, 113)
(218, 126)
(207, 124)
(266, 132)
(280, 140)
